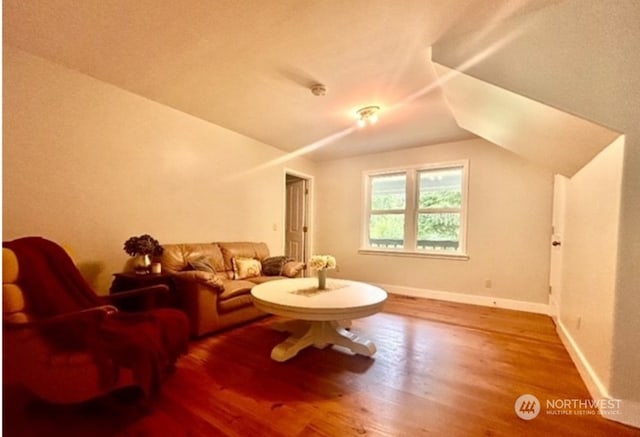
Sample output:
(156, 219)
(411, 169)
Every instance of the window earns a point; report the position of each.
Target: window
(418, 210)
(387, 214)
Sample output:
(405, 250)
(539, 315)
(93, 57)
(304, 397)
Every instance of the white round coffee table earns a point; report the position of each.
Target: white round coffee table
(320, 316)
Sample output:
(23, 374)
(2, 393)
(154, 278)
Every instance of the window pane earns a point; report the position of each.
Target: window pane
(439, 231)
(388, 192)
(386, 230)
(441, 188)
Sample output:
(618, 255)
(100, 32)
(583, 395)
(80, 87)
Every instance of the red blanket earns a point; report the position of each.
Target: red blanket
(148, 343)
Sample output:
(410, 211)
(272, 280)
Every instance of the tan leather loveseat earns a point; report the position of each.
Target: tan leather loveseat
(214, 280)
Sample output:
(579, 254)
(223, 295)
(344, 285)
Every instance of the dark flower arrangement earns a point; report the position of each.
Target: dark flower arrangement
(143, 245)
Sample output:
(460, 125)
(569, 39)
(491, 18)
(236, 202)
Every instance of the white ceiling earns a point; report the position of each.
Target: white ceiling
(247, 65)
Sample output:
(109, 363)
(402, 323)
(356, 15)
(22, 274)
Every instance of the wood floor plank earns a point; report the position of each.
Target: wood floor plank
(441, 369)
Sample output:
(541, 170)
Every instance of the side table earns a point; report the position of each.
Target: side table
(130, 280)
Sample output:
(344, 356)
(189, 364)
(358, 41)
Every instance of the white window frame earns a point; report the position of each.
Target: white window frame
(412, 210)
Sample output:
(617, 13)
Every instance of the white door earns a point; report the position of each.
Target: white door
(296, 219)
(557, 223)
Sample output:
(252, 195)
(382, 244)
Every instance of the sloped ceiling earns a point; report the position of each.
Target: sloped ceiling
(580, 56)
(545, 135)
(248, 65)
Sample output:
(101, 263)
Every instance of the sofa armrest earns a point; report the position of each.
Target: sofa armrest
(198, 294)
(293, 268)
(206, 278)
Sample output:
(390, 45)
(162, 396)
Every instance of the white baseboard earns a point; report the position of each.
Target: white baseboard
(594, 385)
(471, 299)
(629, 412)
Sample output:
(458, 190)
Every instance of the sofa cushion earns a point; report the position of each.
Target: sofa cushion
(201, 277)
(175, 257)
(235, 303)
(201, 263)
(292, 268)
(245, 268)
(272, 266)
(233, 288)
(257, 251)
(261, 279)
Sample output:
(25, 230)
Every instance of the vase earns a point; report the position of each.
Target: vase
(322, 279)
(141, 264)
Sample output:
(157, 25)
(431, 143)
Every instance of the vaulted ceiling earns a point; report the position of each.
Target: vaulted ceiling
(248, 65)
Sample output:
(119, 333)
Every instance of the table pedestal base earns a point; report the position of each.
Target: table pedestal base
(319, 334)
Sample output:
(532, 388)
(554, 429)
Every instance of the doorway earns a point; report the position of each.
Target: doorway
(297, 216)
(557, 234)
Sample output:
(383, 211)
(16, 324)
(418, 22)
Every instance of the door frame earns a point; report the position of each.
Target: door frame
(309, 209)
(558, 218)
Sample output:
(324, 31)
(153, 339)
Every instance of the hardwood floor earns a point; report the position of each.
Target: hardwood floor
(441, 368)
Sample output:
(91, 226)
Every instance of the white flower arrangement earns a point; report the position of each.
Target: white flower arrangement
(322, 262)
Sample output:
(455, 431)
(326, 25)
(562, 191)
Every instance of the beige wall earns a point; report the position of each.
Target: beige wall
(88, 164)
(625, 383)
(508, 228)
(586, 65)
(590, 255)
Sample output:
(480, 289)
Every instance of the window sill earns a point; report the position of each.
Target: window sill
(415, 254)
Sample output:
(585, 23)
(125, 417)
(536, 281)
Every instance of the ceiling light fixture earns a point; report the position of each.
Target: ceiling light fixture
(368, 115)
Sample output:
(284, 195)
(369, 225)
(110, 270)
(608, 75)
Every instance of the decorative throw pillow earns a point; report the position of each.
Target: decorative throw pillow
(272, 266)
(291, 269)
(202, 264)
(244, 268)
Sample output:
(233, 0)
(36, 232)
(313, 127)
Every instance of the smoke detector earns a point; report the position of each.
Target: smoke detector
(318, 89)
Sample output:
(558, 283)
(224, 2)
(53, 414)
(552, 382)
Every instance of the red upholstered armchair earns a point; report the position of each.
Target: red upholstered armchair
(79, 347)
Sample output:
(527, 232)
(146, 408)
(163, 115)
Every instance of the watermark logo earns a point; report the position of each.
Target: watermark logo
(583, 407)
(527, 407)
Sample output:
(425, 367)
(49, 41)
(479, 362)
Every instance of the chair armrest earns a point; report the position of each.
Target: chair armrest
(152, 289)
(293, 268)
(69, 331)
(95, 313)
(150, 297)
